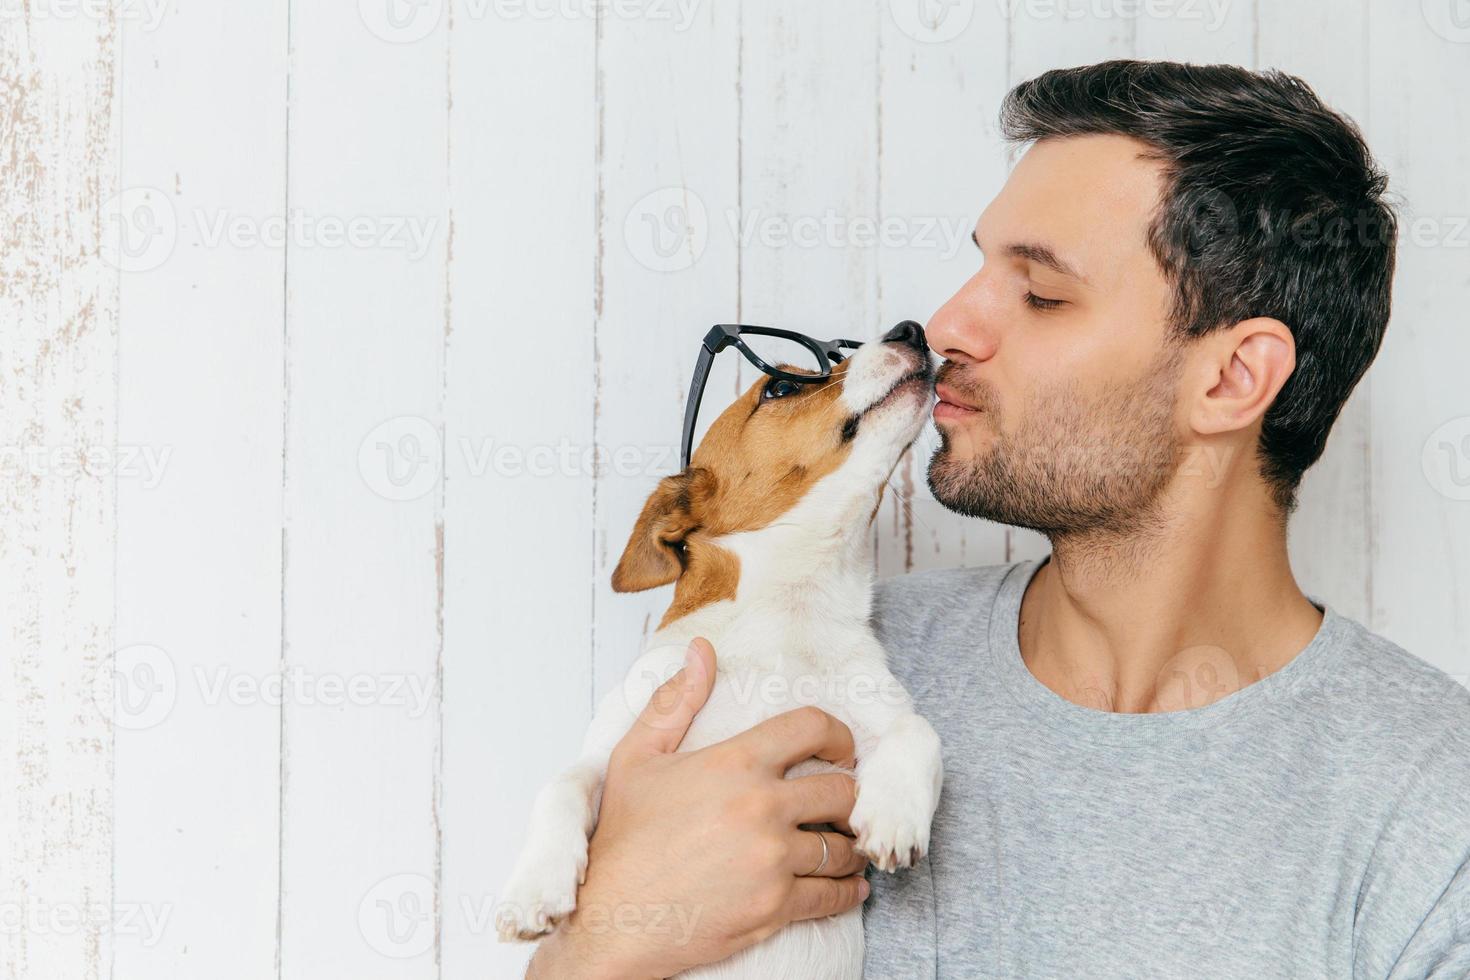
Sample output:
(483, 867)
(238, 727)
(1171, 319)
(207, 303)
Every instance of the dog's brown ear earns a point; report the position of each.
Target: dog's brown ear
(655, 552)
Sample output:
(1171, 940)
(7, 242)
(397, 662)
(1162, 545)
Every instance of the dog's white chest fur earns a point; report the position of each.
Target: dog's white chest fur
(761, 673)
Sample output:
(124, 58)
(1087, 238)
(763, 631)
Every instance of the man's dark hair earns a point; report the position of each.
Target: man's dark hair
(1273, 207)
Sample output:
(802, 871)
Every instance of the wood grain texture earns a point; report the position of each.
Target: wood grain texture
(1045, 34)
(519, 418)
(1420, 432)
(406, 458)
(669, 159)
(1199, 31)
(361, 888)
(58, 412)
(201, 389)
(810, 185)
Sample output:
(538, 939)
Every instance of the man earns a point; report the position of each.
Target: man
(1162, 759)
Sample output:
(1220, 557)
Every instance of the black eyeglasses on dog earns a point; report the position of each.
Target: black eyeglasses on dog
(767, 348)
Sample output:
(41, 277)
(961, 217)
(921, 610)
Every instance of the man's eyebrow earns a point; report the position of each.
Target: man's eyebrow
(1040, 254)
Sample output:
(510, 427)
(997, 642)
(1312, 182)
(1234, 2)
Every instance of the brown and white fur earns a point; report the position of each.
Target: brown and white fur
(767, 535)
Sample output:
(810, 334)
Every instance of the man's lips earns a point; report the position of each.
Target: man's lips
(951, 406)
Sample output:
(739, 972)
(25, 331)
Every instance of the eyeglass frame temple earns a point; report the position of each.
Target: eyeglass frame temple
(696, 392)
(725, 335)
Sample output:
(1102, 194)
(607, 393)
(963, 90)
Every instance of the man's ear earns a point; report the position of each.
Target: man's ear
(1250, 363)
(655, 552)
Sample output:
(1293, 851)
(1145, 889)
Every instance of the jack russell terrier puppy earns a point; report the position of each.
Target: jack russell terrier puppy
(767, 537)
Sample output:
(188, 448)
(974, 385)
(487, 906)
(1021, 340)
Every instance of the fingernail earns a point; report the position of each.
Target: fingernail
(863, 889)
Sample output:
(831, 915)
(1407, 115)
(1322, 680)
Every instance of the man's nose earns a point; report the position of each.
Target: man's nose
(907, 332)
(962, 329)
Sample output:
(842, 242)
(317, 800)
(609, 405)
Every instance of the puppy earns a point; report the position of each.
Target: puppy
(767, 537)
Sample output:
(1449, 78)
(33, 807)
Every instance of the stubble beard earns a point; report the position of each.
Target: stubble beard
(1072, 467)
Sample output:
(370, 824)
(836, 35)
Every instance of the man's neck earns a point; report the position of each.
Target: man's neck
(1190, 610)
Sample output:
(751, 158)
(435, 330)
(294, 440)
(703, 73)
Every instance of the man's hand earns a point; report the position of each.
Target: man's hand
(698, 854)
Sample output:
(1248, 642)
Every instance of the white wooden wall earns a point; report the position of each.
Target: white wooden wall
(391, 455)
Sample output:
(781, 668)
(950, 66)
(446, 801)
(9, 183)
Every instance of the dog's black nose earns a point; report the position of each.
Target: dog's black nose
(907, 332)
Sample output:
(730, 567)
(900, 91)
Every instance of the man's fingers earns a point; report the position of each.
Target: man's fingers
(802, 733)
(824, 798)
(813, 898)
(666, 718)
(843, 858)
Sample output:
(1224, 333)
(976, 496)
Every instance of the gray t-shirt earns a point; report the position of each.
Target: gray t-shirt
(1313, 824)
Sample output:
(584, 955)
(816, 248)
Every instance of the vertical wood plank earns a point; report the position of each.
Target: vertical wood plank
(941, 159)
(1199, 31)
(668, 208)
(518, 423)
(809, 165)
(1331, 543)
(199, 527)
(58, 301)
(811, 101)
(1047, 34)
(1420, 126)
(364, 457)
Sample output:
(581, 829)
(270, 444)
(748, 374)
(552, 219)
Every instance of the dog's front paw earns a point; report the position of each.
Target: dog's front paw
(892, 830)
(542, 890)
(897, 793)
